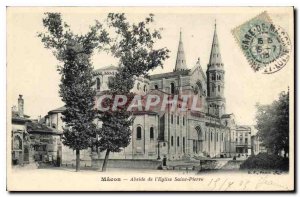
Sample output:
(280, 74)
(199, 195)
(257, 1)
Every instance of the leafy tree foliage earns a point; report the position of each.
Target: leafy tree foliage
(273, 124)
(265, 161)
(133, 46)
(76, 88)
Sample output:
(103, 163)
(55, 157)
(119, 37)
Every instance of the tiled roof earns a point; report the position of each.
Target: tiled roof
(16, 114)
(170, 74)
(226, 115)
(215, 125)
(58, 110)
(33, 127)
(243, 127)
(110, 67)
(16, 118)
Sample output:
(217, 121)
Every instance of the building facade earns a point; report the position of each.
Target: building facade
(243, 140)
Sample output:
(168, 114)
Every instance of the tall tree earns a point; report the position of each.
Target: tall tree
(273, 124)
(76, 88)
(133, 46)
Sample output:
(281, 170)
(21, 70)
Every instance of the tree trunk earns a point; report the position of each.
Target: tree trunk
(285, 152)
(77, 160)
(105, 160)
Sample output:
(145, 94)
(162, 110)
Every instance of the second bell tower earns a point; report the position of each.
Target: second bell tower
(215, 80)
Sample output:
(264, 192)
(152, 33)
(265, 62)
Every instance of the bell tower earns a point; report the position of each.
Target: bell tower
(215, 79)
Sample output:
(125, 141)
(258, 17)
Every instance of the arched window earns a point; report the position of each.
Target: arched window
(172, 141)
(213, 77)
(172, 88)
(222, 137)
(145, 88)
(199, 132)
(155, 87)
(151, 133)
(172, 119)
(219, 88)
(17, 143)
(183, 120)
(138, 86)
(98, 83)
(178, 141)
(211, 137)
(138, 133)
(200, 87)
(177, 119)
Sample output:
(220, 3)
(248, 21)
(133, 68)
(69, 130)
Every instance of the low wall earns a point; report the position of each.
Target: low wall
(220, 165)
(127, 163)
(232, 165)
(83, 163)
(208, 164)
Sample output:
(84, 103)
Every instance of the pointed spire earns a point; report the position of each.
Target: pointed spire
(180, 60)
(215, 24)
(215, 59)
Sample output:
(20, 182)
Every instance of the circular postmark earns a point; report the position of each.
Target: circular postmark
(266, 46)
(268, 49)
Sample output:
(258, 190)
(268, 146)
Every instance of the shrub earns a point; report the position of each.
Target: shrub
(264, 161)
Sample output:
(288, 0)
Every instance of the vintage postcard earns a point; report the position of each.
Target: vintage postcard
(150, 99)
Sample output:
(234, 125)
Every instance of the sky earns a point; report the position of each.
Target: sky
(31, 69)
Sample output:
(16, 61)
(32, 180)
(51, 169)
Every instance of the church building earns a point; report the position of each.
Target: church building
(209, 131)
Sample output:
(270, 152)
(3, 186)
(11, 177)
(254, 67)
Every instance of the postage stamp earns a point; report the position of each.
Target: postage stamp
(266, 46)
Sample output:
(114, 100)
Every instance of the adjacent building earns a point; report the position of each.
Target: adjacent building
(257, 146)
(243, 140)
(67, 156)
(32, 141)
